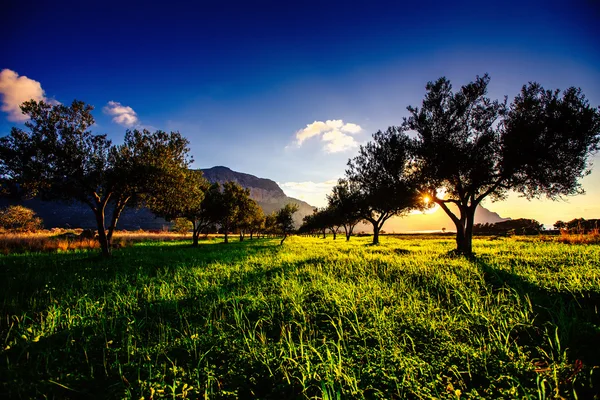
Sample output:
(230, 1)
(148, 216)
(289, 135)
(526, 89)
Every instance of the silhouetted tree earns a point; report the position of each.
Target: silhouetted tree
(382, 173)
(469, 147)
(58, 158)
(284, 220)
(345, 200)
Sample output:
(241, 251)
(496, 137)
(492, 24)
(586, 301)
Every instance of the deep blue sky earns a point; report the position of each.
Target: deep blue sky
(240, 79)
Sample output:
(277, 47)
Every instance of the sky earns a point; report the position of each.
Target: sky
(289, 90)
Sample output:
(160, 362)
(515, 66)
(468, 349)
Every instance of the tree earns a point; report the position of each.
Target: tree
(469, 147)
(247, 212)
(58, 158)
(184, 197)
(181, 226)
(19, 219)
(284, 220)
(271, 224)
(382, 173)
(230, 206)
(257, 220)
(345, 201)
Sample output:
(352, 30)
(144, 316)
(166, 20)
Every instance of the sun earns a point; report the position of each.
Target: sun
(426, 199)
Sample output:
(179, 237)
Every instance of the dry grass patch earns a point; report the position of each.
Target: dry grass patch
(71, 239)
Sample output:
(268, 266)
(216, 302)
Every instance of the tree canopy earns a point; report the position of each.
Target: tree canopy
(383, 175)
(59, 158)
(469, 147)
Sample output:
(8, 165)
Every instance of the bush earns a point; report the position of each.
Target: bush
(19, 219)
(181, 225)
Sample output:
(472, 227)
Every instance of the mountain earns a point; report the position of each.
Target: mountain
(266, 192)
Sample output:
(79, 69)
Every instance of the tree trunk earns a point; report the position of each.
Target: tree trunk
(376, 228)
(115, 218)
(324, 234)
(464, 230)
(284, 236)
(241, 236)
(102, 238)
(334, 234)
(195, 233)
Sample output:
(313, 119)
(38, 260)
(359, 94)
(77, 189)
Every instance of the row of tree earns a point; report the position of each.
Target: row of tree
(461, 147)
(211, 207)
(578, 225)
(457, 149)
(58, 158)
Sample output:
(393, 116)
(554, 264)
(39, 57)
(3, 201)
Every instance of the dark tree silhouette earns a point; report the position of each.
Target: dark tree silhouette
(58, 158)
(469, 147)
(345, 201)
(382, 172)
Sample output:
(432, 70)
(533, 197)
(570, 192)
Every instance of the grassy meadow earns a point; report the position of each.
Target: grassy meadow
(313, 318)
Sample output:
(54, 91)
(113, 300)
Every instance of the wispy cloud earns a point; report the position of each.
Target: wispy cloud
(122, 115)
(335, 134)
(15, 91)
(313, 193)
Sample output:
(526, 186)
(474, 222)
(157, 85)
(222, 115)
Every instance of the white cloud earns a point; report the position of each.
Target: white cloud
(122, 115)
(314, 193)
(335, 133)
(15, 91)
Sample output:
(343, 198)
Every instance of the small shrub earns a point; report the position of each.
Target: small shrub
(181, 226)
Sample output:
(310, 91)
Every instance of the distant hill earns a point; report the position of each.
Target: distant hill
(266, 192)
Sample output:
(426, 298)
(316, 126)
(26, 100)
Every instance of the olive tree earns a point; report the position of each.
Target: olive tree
(385, 182)
(469, 147)
(58, 158)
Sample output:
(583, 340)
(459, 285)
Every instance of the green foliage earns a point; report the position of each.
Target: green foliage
(312, 319)
(181, 225)
(19, 219)
(384, 177)
(284, 219)
(59, 158)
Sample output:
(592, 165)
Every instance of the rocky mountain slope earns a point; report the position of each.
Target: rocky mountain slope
(266, 192)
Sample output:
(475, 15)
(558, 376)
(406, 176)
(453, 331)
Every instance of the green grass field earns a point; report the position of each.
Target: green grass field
(313, 318)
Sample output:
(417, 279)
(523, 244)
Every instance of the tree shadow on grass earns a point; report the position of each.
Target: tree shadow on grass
(574, 314)
(92, 361)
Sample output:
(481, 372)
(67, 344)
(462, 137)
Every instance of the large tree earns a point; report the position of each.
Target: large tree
(383, 174)
(469, 147)
(59, 158)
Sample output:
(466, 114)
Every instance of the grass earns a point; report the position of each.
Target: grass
(313, 318)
